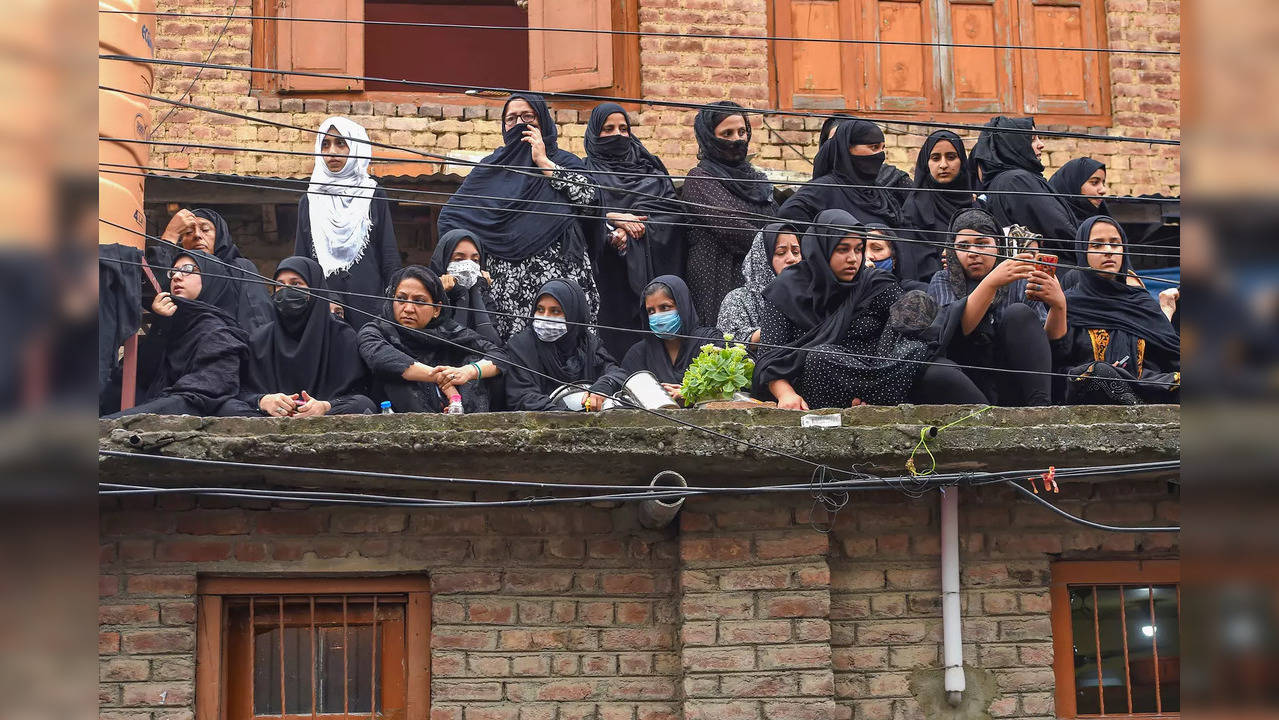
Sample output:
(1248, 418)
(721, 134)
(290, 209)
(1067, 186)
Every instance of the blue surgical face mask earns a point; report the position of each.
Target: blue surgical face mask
(665, 324)
(886, 264)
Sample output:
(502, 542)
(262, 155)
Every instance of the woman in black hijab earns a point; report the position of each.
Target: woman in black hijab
(305, 363)
(556, 349)
(890, 176)
(1082, 176)
(1009, 163)
(944, 186)
(670, 311)
(194, 336)
(420, 358)
(626, 249)
(206, 230)
(1117, 331)
(724, 191)
(855, 155)
(462, 267)
(836, 313)
(1000, 313)
(530, 218)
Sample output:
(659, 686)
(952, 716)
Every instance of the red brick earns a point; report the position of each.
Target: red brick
(213, 522)
(108, 585)
(492, 712)
(122, 669)
(796, 605)
(539, 581)
(193, 551)
(171, 585)
(753, 519)
(718, 659)
(629, 584)
(721, 549)
(141, 642)
(453, 639)
(177, 613)
(469, 582)
(794, 657)
(804, 545)
(565, 691)
(250, 551)
(151, 694)
(759, 578)
(752, 632)
(127, 615)
(636, 639)
(721, 710)
(820, 710)
(369, 521)
(634, 613)
(108, 643)
(291, 523)
(491, 611)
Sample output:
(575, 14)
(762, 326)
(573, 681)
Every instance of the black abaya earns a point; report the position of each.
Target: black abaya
(650, 353)
(470, 305)
(371, 273)
(852, 183)
(931, 206)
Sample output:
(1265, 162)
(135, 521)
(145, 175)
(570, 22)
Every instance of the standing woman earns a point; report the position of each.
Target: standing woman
(526, 200)
(943, 186)
(670, 311)
(728, 194)
(626, 250)
(1009, 168)
(462, 267)
(344, 220)
(305, 362)
(855, 155)
(1082, 176)
(833, 316)
(775, 248)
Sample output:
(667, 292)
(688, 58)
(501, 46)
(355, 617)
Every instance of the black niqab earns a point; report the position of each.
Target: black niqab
(1104, 301)
(716, 156)
(316, 353)
(502, 216)
(1069, 181)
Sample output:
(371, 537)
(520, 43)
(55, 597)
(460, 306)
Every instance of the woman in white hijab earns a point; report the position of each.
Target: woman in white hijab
(344, 220)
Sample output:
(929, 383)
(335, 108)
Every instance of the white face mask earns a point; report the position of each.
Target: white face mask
(466, 272)
(549, 329)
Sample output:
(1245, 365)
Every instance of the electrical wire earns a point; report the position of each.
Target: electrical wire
(243, 276)
(216, 42)
(1090, 523)
(650, 33)
(636, 101)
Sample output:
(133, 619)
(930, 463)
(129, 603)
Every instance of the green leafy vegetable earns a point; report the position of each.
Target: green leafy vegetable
(718, 372)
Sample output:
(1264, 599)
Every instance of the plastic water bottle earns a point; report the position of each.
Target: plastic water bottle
(386, 408)
(455, 406)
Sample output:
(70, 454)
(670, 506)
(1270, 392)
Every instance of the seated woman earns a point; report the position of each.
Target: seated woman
(556, 349)
(198, 347)
(460, 263)
(1001, 313)
(851, 161)
(884, 253)
(1117, 332)
(670, 310)
(943, 186)
(305, 362)
(1082, 176)
(774, 249)
(419, 356)
(836, 317)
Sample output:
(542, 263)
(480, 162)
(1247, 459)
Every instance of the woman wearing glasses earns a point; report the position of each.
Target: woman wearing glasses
(193, 337)
(527, 200)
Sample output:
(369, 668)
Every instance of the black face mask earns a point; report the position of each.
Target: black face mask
(516, 134)
(292, 302)
(867, 166)
(613, 145)
(733, 151)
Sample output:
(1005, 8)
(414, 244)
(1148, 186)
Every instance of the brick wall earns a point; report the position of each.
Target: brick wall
(740, 611)
(1146, 98)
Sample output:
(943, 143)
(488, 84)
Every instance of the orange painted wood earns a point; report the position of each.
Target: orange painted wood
(336, 48)
(209, 683)
(976, 79)
(900, 77)
(564, 62)
(1061, 81)
(816, 75)
(418, 655)
(312, 586)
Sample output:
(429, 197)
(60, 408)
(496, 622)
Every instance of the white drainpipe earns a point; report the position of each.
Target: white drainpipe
(952, 632)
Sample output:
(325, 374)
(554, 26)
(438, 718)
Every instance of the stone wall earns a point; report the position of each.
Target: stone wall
(1145, 98)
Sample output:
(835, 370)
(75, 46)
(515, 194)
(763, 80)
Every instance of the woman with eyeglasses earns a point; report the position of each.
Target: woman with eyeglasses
(344, 221)
(197, 346)
(529, 200)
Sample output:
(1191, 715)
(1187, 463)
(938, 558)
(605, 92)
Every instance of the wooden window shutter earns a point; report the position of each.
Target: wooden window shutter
(336, 48)
(976, 79)
(565, 62)
(1055, 82)
(900, 77)
(816, 75)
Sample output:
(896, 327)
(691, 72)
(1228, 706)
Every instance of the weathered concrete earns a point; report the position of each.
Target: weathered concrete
(625, 447)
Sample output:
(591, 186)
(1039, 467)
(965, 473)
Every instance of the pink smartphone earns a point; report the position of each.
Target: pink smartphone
(1051, 260)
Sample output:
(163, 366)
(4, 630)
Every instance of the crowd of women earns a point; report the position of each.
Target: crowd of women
(977, 281)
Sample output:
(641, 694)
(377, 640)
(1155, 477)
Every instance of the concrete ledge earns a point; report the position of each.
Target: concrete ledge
(628, 446)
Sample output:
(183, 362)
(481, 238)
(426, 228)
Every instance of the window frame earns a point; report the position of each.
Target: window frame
(210, 661)
(781, 93)
(264, 46)
(1089, 572)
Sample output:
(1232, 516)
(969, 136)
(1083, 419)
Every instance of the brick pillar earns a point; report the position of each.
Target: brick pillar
(755, 606)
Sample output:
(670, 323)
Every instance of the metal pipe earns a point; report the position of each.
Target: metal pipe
(952, 630)
(657, 513)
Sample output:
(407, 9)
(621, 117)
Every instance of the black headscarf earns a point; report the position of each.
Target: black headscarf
(655, 358)
(316, 352)
(997, 151)
(726, 160)
(510, 232)
(439, 335)
(820, 305)
(623, 153)
(573, 356)
(218, 288)
(222, 245)
(933, 208)
(1104, 301)
(835, 165)
(470, 309)
(1069, 181)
